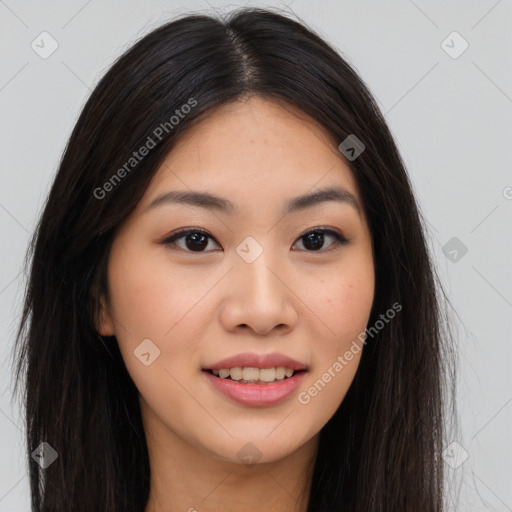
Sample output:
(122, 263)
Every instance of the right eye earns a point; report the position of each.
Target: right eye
(196, 239)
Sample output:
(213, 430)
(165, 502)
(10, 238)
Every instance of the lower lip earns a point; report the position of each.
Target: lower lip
(256, 395)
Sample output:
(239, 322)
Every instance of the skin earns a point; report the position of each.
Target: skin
(200, 307)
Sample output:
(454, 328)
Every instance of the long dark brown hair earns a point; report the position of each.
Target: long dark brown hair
(381, 451)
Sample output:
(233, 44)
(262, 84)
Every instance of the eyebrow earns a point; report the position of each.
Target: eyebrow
(300, 203)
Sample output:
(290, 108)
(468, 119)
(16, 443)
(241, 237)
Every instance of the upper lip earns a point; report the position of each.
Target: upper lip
(252, 360)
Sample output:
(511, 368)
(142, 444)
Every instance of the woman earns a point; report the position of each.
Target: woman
(231, 302)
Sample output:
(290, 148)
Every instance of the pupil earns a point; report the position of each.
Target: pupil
(199, 241)
(316, 238)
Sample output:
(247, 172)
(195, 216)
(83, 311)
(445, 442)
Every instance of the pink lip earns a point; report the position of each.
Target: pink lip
(255, 395)
(247, 360)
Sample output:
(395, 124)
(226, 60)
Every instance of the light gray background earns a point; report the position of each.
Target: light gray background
(452, 120)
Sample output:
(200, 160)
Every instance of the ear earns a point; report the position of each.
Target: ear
(104, 320)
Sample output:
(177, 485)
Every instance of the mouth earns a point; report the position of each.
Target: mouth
(255, 387)
(256, 380)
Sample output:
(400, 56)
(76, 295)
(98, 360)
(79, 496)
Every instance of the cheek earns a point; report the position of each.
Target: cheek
(343, 303)
(152, 299)
(148, 298)
(150, 302)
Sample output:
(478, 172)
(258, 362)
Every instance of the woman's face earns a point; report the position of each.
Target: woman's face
(256, 277)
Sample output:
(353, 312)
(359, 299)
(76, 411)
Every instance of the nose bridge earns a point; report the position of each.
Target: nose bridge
(256, 266)
(258, 297)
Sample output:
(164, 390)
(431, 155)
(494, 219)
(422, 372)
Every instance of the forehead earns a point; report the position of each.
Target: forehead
(254, 148)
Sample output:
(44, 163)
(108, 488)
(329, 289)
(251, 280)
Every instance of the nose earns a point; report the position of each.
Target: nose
(259, 296)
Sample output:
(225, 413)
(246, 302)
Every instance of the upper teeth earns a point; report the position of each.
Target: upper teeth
(263, 374)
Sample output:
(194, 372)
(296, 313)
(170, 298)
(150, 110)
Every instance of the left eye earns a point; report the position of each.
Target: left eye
(197, 239)
(316, 238)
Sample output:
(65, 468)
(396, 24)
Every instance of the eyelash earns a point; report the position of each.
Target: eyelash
(339, 240)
